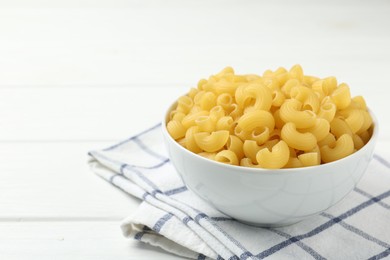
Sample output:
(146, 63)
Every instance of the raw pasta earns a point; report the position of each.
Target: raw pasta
(282, 119)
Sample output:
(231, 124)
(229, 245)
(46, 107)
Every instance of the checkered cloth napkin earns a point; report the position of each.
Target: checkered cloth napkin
(175, 219)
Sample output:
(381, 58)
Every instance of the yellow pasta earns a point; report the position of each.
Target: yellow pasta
(290, 111)
(258, 118)
(280, 119)
(343, 147)
(226, 156)
(275, 159)
(211, 142)
(301, 141)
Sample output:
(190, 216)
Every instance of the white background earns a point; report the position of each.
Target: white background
(80, 75)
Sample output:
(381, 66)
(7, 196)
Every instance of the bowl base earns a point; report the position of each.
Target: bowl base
(270, 225)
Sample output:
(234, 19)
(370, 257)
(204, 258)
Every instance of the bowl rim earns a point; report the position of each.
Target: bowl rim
(254, 170)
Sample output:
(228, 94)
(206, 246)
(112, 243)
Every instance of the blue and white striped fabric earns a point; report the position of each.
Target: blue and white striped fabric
(173, 218)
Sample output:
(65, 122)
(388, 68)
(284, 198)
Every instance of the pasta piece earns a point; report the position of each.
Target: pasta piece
(176, 115)
(225, 100)
(354, 118)
(216, 113)
(367, 123)
(260, 135)
(360, 102)
(341, 96)
(365, 136)
(254, 97)
(201, 83)
(296, 72)
(207, 155)
(182, 142)
(250, 149)
(279, 123)
(290, 84)
(246, 162)
(211, 142)
(226, 156)
(301, 141)
(293, 162)
(192, 93)
(235, 145)
(190, 140)
(189, 120)
(205, 124)
(176, 129)
(320, 130)
(328, 140)
(278, 98)
(225, 123)
(208, 101)
(309, 159)
(327, 111)
(344, 146)
(184, 104)
(339, 127)
(357, 142)
(258, 118)
(309, 80)
(275, 159)
(290, 112)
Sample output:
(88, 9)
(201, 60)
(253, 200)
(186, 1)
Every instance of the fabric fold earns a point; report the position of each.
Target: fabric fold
(177, 220)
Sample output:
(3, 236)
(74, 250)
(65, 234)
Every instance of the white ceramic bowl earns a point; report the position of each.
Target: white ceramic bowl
(265, 197)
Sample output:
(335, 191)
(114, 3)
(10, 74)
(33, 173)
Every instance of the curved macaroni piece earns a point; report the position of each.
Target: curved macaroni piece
(290, 84)
(360, 102)
(224, 86)
(176, 115)
(341, 96)
(189, 120)
(225, 123)
(211, 142)
(275, 159)
(328, 140)
(225, 100)
(365, 136)
(344, 146)
(357, 142)
(293, 162)
(226, 156)
(290, 112)
(236, 145)
(312, 102)
(253, 97)
(278, 98)
(339, 127)
(207, 155)
(190, 140)
(367, 122)
(260, 135)
(234, 111)
(254, 119)
(182, 142)
(279, 123)
(184, 104)
(300, 141)
(296, 72)
(327, 111)
(208, 100)
(216, 113)
(205, 124)
(354, 118)
(246, 162)
(176, 129)
(320, 130)
(309, 80)
(309, 159)
(250, 149)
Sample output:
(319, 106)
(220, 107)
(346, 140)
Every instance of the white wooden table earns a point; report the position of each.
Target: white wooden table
(76, 77)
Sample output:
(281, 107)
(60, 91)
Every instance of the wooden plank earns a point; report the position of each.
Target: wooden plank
(145, 43)
(52, 181)
(72, 240)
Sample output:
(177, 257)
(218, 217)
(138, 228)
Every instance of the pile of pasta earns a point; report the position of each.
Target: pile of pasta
(282, 119)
